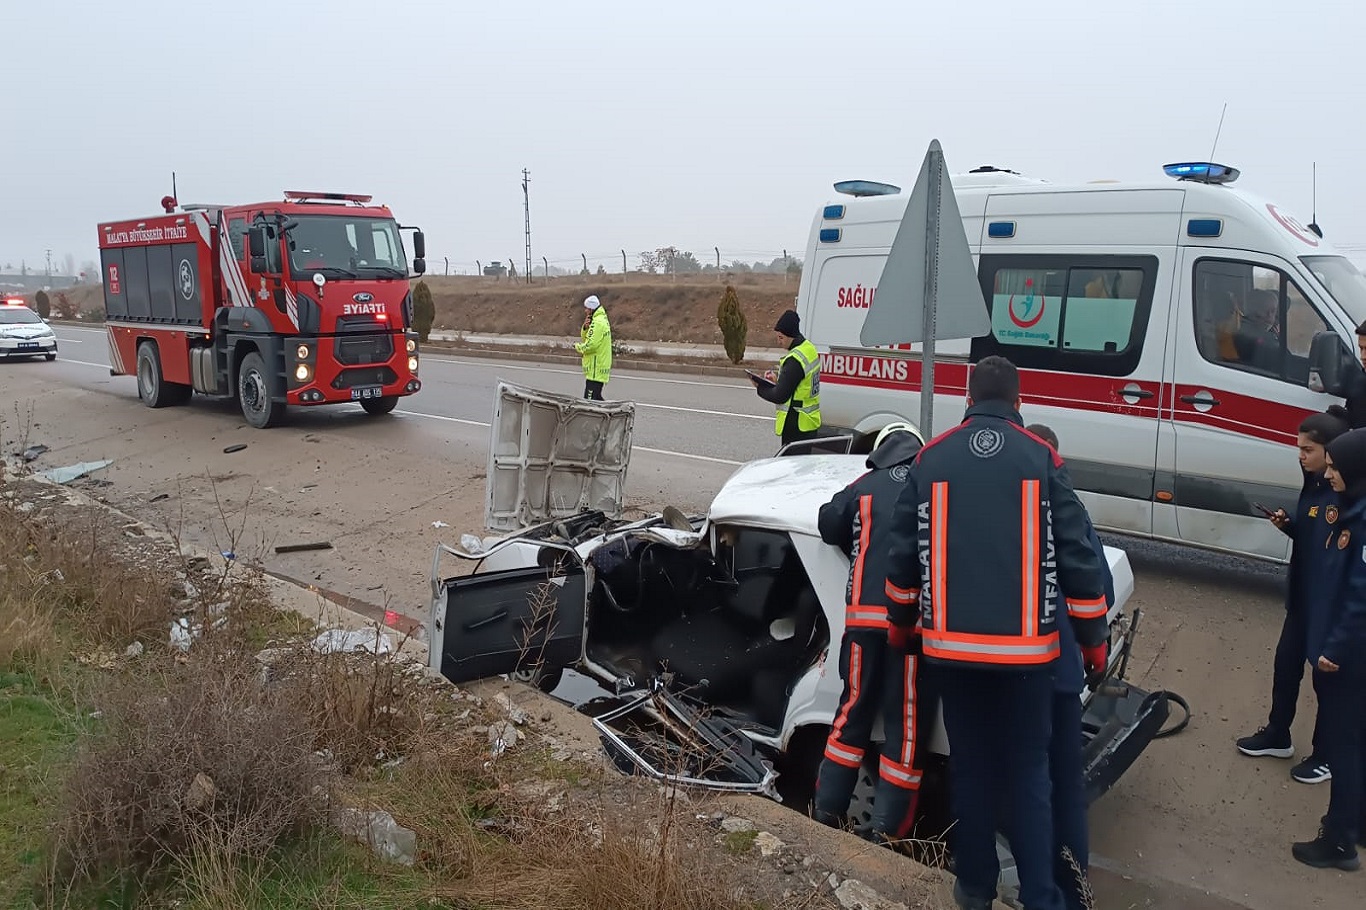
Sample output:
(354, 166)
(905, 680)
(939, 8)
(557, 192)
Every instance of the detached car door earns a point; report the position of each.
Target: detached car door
(499, 622)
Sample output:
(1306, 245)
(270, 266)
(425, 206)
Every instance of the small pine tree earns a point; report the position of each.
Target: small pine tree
(424, 311)
(734, 326)
(42, 305)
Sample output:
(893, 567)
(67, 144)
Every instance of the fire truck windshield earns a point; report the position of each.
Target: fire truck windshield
(344, 246)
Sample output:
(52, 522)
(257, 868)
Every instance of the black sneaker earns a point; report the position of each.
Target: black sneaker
(1267, 742)
(1325, 853)
(967, 902)
(1313, 770)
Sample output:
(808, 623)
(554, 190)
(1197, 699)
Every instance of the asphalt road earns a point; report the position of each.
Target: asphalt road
(1191, 812)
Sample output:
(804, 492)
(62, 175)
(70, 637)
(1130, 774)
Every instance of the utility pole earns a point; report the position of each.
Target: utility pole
(784, 268)
(526, 208)
(718, 262)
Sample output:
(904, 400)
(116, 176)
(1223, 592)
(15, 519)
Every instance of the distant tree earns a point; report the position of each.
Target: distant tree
(42, 305)
(686, 263)
(65, 307)
(734, 327)
(602, 270)
(424, 311)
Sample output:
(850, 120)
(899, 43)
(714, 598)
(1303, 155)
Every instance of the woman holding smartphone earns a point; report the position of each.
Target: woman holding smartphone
(1311, 529)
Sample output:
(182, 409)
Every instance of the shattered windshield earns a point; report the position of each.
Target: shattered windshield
(1343, 280)
(342, 246)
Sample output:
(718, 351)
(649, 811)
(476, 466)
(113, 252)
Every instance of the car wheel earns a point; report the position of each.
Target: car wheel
(253, 394)
(153, 388)
(378, 406)
(50, 357)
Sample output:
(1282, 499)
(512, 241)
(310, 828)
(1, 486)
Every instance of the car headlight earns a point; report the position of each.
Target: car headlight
(412, 364)
(301, 372)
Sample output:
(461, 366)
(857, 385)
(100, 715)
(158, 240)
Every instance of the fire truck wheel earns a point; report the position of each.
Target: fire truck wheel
(153, 388)
(253, 394)
(379, 405)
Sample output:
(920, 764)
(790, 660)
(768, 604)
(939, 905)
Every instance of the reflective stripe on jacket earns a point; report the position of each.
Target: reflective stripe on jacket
(596, 347)
(990, 541)
(806, 401)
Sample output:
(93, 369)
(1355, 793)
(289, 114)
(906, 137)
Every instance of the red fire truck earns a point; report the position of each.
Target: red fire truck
(300, 302)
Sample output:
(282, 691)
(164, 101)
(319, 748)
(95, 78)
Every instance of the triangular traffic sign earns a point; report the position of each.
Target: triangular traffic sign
(897, 314)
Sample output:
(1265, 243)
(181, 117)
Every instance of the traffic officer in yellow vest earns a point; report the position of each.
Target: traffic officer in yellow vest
(796, 389)
(595, 346)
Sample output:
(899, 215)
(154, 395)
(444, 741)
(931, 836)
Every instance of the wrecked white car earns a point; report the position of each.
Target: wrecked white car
(714, 636)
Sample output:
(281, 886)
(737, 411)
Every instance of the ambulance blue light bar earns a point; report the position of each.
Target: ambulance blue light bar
(830, 235)
(1001, 230)
(866, 188)
(1204, 227)
(833, 212)
(1201, 171)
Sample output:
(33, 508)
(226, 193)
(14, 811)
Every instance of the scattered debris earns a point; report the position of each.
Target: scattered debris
(440, 524)
(159, 497)
(200, 792)
(390, 840)
(133, 650)
(235, 447)
(75, 471)
(471, 544)
(733, 824)
(183, 634)
(229, 555)
(503, 736)
(32, 452)
(514, 713)
(339, 641)
(853, 894)
(767, 843)
(301, 547)
(24, 508)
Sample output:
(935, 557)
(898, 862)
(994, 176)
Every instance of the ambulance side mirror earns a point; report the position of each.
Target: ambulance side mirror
(1331, 365)
(256, 247)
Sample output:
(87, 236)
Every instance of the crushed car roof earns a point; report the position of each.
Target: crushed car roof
(784, 494)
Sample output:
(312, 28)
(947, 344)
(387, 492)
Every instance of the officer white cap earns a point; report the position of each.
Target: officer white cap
(591, 302)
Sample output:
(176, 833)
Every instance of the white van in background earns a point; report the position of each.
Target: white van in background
(1163, 330)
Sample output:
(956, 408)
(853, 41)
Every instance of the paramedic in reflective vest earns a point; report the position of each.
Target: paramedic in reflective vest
(797, 386)
(1065, 765)
(595, 345)
(990, 542)
(878, 663)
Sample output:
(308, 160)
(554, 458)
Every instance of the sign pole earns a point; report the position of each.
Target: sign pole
(931, 308)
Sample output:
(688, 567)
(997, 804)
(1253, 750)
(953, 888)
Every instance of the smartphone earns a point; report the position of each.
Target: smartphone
(1263, 509)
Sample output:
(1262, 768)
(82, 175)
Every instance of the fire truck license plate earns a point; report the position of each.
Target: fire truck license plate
(367, 392)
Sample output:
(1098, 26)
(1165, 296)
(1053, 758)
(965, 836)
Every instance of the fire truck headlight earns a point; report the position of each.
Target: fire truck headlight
(301, 372)
(412, 345)
(412, 364)
(301, 352)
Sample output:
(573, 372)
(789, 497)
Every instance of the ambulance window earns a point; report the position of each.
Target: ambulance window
(1085, 314)
(1254, 318)
(237, 233)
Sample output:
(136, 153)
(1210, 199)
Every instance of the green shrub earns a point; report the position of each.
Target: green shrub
(424, 311)
(733, 325)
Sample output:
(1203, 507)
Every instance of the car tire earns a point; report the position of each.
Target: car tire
(153, 388)
(50, 357)
(253, 394)
(378, 406)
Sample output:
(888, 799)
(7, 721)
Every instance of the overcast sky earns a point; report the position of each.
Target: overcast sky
(696, 124)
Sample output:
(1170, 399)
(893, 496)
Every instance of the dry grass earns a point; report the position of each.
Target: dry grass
(192, 759)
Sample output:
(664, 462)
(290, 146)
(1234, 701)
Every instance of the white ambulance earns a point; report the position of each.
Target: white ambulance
(1163, 330)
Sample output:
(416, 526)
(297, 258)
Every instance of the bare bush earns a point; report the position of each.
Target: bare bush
(196, 756)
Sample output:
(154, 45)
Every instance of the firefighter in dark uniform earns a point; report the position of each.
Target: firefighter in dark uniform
(878, 662)
(991, 542)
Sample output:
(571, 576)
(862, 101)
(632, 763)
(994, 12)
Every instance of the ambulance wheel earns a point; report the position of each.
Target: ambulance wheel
(253, 394)
(153, 388)
(379, 405)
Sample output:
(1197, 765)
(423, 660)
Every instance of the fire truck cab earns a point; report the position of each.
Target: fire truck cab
(305, 301)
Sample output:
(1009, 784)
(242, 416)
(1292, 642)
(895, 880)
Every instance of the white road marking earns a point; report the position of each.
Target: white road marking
(72, 328)
(632, 378)
(484, 424)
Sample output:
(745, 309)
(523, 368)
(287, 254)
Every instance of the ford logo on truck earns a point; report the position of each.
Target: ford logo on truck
(362, 297)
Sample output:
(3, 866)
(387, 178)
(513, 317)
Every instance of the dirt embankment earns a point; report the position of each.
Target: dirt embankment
(647, 308)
